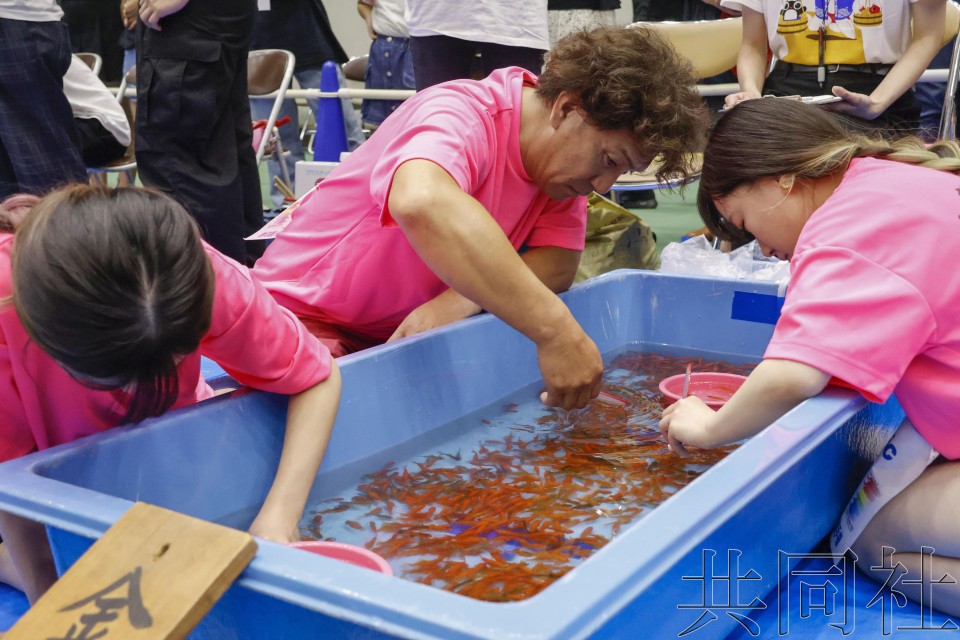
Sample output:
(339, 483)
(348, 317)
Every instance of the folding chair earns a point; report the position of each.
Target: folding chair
(712, 47)
(92, 60)
(356, 68)
(948, 119)
(127, 165)
(269, 73)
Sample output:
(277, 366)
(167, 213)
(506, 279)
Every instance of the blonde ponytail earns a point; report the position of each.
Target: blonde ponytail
(943, 155)
(769, 138)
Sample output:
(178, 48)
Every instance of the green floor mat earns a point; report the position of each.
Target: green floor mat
(675, 215)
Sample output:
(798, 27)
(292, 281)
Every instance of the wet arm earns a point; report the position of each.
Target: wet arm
(771, 390)
(463, 245)
(310, 418)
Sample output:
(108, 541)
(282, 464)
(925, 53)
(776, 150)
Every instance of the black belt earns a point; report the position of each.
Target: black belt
(873, 68)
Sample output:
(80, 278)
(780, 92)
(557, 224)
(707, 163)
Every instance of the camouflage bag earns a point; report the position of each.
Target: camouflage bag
(616, 239)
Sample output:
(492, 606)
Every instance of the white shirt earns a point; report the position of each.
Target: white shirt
(31, 10)
(90, 98)
(506, 22)
(388, 18)
(857, 31)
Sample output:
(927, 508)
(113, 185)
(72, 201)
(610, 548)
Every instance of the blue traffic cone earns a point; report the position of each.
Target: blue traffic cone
(331, 137)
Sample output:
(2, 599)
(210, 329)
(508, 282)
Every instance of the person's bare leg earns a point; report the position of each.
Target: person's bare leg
(26, 542)
(922, 515)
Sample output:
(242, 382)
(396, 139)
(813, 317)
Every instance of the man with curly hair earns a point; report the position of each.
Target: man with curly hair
(422, 225)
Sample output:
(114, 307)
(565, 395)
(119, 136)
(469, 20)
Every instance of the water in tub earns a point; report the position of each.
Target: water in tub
(520, 493)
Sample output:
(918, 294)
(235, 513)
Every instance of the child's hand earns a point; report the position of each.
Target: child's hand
(269, 529)
(688, 422)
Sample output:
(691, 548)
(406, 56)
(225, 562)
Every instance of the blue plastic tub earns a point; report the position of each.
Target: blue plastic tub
(781, 491)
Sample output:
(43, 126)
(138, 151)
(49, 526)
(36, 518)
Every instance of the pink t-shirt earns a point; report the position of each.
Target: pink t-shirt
(343, 260)
(874, 297)
(255, 340)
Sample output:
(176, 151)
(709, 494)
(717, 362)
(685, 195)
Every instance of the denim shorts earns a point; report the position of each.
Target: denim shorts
(390, 66)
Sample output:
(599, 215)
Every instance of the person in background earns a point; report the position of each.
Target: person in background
(302, 27)
(390, 63)
(193, 128)
(101, 123)
(868, 55)
(685, 10)
(566, 16)
(422, 225)
(114, 299)
(868, 227)
(95, 27)
(39, 146)
(128, 37)
(452, 41)
(931, 95)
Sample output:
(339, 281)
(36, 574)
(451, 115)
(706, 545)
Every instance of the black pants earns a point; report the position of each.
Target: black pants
(39, 149)
(95, 27)
(900, 118)
(438, 59)
(193, 135)
(659, 10)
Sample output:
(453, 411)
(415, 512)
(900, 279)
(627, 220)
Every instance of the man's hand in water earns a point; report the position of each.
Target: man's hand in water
(572, 368)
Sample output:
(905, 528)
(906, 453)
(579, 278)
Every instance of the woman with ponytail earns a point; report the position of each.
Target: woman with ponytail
(108, 298)
(872, 232)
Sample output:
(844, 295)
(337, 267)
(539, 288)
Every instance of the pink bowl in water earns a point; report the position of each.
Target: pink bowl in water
(713, 388)
(349, 553)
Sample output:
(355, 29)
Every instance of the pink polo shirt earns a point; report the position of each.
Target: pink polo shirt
(343, 260)
(874, 297)
(255, 340)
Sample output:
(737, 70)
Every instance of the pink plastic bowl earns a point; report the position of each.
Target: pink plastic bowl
(713, 388)
(348, 553)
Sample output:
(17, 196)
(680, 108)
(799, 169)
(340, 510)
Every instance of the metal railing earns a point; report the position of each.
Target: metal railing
(930, 75)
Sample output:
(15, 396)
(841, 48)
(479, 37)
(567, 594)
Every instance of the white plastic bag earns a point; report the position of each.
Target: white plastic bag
(696, 256)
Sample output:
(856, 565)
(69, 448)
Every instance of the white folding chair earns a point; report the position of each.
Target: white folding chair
(127, 165)
(92, 60)
(269, 74)
(711, 46)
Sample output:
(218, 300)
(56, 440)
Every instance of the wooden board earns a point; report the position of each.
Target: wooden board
(154, 574)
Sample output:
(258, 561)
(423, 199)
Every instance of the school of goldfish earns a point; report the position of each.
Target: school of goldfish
(503, 521)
